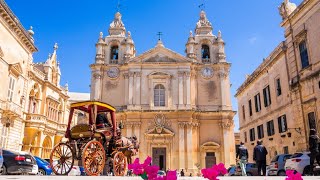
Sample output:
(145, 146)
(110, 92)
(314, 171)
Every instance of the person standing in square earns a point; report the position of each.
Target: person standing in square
(260, 156)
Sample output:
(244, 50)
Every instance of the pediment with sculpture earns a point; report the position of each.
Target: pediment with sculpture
(160, 126)
(160, 54)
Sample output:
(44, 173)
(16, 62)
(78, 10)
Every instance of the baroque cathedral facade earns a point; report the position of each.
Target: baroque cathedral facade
(178, 106)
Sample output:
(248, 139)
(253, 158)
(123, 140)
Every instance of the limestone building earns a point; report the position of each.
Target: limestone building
(33, 105)
(279, 101)
(178, 106)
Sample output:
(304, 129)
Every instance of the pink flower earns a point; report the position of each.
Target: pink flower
(171, 175)
(291, 175)
(136, 167)
(152, 172)
(221, 169)
(147, 162)
(213, 172)
(210, 173)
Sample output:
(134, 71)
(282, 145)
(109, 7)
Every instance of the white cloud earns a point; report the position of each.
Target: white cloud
(253, 40)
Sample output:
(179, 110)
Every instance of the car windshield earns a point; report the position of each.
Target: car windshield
(275, 159)
(41, 160)
(296, 155)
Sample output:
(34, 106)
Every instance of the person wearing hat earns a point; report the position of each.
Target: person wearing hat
(242, 154)
(260, 156)
(314, 148)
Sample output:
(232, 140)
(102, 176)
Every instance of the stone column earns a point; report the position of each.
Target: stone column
(190, 144)
(181, 146)
(97, 86)
(137, 129)
(180, 77)
(126, 88)
(129, 129)
(227, 128)
(223, 76)
(137, 87)
(131, 88)
(187, 75)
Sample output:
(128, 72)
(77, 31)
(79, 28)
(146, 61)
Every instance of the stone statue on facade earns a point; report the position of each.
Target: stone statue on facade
(117, 22)
(286, 8)
(203, 21)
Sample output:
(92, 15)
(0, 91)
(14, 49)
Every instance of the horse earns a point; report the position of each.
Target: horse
(130, 147)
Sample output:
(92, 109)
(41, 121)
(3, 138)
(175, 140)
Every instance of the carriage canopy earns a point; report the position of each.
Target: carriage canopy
(92, 108)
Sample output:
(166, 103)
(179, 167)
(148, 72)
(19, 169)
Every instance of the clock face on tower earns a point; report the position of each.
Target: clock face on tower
(207, 72)
(113, 72)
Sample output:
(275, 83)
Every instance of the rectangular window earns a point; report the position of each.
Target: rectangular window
(4, 136)
(252, 135)
(266, 96)
(245, 137)
(278, 85)
(11, 88)
(282, 123)
(260, 131)
(243, 113)
(270, 128)
(312, 120)
(286, 150)
(257, 102)
(304, 54)
(250, 107)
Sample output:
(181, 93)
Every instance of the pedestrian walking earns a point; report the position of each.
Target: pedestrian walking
(242, 158)
(260, 156)
(314, 149)
(182, 173)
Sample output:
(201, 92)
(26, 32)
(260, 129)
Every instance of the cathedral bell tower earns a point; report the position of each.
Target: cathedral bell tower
(112, 51)
(204, 47)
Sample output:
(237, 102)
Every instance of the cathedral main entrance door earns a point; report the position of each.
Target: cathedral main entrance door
(159, 158)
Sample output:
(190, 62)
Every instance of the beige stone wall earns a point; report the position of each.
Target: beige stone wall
(300, 87)
(15, 58)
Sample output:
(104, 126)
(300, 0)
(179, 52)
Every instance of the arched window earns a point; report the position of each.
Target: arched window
(114, 55)
(159, 95)
(205, 53)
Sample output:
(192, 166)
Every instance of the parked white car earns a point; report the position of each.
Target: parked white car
(299, 162)
(75, 171)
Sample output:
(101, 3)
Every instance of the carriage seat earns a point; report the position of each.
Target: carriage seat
(83, 131)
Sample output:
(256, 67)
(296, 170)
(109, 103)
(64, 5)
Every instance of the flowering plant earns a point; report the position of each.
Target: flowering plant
(293, 175)
(213, 172)
(146, 171)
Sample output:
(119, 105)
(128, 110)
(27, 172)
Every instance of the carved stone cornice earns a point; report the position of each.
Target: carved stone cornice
(96, 76)
(137, 74)
(223, 74)
(131, 74)
(180, 74)
(125, 75)
(227, 124)
(188, 124)
(132, 124)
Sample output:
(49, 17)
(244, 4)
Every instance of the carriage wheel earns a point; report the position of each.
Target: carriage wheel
(61, 159)
(93, 158)
(119, 164)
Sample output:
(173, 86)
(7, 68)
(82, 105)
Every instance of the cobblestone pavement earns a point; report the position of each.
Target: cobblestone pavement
(138, 178)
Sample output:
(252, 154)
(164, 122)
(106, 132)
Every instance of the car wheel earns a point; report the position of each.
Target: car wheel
(249, 174)
(282, 173)
(41, 172)
(4, 170)
(307, 171)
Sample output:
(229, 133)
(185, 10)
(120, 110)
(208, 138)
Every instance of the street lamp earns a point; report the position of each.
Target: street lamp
(298, 130)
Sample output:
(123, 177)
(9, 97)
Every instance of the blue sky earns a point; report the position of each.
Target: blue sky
(250, 29)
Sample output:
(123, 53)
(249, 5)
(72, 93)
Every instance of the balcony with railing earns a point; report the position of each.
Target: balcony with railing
(36, 120)
(10, 108)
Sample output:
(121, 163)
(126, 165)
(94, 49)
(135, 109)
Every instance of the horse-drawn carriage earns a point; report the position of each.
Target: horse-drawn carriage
(90, 144)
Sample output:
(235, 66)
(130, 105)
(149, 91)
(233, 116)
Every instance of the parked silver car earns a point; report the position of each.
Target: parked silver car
(276, 167)
(1, 159)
